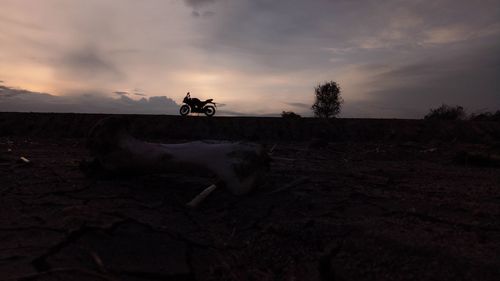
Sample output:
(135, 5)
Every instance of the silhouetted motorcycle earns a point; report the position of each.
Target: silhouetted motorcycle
(194, 105)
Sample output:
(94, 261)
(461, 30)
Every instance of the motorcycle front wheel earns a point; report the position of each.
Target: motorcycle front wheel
(184, 110)
(209, 110)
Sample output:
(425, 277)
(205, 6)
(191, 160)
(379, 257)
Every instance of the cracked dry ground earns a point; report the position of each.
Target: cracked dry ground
(360, 211)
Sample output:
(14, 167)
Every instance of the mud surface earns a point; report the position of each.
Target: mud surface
(337, 211)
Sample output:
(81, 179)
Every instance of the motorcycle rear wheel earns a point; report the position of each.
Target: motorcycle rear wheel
(184, 110)
(209, 110)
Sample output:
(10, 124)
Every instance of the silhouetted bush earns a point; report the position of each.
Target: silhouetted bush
(496, 116)
(290, 114)
(328, 100)
(446, 112)
(486, 116)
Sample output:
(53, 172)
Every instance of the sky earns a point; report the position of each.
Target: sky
(392, 58)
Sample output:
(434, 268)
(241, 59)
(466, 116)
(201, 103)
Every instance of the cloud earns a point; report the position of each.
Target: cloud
(252, 51)
(446, 35)
(121, 93)
(13, 99)
(88, 63)
(299, 105)
(457, 33)
(409, 90)
(208, 14)
(198, 3)
(8, 20)
(125, 93)
(8, 92)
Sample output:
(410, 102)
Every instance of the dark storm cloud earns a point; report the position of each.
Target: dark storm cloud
(12, 99)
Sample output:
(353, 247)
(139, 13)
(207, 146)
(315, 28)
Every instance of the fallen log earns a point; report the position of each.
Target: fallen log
(240, 166)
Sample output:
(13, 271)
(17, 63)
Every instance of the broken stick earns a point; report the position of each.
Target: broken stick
(271, 151)
(201, 197)
(24, 160)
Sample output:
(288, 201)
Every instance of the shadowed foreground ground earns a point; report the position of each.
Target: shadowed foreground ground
(357, 211)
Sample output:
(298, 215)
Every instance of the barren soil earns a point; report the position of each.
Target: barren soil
(336, 211)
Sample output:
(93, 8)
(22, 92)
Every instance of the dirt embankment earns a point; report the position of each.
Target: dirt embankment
(254, 128)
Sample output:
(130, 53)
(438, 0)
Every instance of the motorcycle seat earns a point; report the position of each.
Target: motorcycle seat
(209, 100)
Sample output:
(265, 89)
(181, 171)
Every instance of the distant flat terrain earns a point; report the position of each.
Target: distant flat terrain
(76, 125)
(345, 200)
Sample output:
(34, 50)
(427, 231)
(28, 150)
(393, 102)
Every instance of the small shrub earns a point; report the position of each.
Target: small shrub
(290, 114)
(496, 116)
(486, 116)
(446, 112)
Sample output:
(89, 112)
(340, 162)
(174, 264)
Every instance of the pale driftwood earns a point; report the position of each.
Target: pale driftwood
(240, 166)
(24, 160)
(201, 197)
